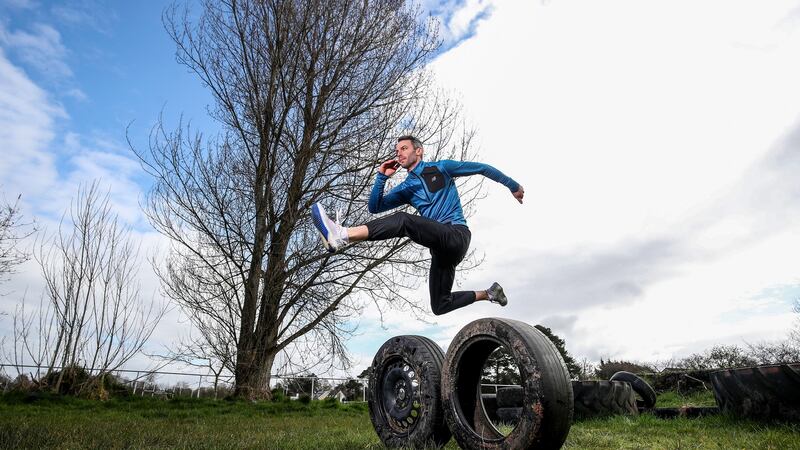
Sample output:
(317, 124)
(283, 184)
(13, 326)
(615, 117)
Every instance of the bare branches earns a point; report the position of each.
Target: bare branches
(92, 314)
(12, 231)
(311, 96)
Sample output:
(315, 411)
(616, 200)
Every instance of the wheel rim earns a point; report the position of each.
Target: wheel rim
(400, 399)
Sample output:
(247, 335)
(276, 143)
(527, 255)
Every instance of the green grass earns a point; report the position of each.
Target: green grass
(712, 432)
(673, 399)
(50, 422)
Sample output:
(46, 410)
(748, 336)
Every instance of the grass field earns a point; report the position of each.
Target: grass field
(55, 422)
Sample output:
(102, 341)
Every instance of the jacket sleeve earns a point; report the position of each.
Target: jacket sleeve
(466, 168)
(378, 202)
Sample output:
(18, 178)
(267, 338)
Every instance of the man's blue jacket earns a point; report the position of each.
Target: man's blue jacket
(430, 188)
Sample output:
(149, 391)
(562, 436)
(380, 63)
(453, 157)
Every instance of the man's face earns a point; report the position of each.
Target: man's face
(407, 155)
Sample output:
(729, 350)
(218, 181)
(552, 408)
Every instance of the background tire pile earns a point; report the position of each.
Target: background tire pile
(420, 397)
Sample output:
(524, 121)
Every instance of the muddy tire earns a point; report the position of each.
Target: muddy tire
(603, 398)
(404, 394)
(641, 387)
(546, 413)
(509, 397)
(764, 392)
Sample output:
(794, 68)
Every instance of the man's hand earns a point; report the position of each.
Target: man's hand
(389, 167)
(519, 194)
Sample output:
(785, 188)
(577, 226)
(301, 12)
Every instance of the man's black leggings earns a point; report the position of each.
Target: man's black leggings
(448, 244)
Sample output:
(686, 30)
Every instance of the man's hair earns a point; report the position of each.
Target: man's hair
(414, 141)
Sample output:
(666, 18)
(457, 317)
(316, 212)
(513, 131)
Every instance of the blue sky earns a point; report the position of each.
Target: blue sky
(657, 143)
(104, 66)
(78, 78)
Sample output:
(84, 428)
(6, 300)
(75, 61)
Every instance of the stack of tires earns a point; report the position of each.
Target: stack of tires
(420, 397)
(509, 404)
(616, 396)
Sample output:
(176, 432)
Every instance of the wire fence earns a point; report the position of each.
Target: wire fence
(164, 384)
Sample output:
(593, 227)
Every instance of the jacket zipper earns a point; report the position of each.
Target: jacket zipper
(424, 187)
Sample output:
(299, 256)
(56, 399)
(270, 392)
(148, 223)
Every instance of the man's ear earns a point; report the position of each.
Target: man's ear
(419, 151)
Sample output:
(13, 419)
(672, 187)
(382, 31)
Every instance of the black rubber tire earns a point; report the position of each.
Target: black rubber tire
(603, 398)
(641, 387)
(547, 393)
(509, 415)
(401, 420)
(509, 397)
(765, 392)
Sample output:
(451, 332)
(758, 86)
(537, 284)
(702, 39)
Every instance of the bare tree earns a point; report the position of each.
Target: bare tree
(92, 314)
(778, 352)
(12, 231)
(311, 96)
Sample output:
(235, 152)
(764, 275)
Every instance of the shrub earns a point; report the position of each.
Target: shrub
(718, 357)
(76, 381)
(682, 381)
(304, 399)
(606, 369)
(278, 395)
(68, 381)
(22, 384)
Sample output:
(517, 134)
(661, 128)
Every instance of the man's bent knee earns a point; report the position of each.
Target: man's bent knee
(438, 311)
(440, 307)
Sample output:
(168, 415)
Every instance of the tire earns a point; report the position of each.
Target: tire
(603, 398)
(546, 413)
(509, 415)
(641, 387)
(509, 397)
(765, 392)
(404, 395)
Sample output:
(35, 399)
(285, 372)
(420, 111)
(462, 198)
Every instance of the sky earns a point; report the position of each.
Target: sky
(658, 144)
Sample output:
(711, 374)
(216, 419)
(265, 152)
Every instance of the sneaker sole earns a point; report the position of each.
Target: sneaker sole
(501, 300)
(316, 218)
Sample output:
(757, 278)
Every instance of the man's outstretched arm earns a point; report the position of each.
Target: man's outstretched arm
(466, 168)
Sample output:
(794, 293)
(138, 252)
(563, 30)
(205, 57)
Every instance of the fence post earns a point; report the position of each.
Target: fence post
(135, 380)
(199, 383)
(312, 389)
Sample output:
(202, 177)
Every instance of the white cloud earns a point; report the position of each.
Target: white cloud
(657, 143)
(87, 14)
(40, 48)
(77, 94)
(458, 19)
(47, 167)
(26, 129)
(20, 4)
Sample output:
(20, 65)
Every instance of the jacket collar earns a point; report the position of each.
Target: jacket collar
(418, 168)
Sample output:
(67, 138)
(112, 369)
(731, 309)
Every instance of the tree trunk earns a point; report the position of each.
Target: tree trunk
(253, 375)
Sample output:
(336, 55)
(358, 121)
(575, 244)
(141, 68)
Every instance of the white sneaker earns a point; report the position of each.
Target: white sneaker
(334, 236)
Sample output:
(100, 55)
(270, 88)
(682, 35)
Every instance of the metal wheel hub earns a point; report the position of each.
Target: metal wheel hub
(401, 395)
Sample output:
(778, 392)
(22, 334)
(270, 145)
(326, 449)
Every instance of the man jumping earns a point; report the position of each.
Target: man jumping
(430, 188)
